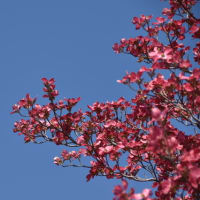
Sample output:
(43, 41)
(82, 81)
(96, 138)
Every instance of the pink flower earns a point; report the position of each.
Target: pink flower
(156, 113)
(144, 195)
(57, 161)
(158, 54)
(166, 186)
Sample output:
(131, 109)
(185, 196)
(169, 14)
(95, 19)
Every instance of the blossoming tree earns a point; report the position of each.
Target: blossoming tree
(123, 138)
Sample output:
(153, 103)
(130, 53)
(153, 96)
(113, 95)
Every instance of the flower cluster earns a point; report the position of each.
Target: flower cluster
(142, 139)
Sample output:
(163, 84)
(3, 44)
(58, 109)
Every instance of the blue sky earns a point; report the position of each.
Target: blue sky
(72, 42)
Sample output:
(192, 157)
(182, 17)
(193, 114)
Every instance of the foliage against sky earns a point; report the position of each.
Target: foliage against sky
(160, 109)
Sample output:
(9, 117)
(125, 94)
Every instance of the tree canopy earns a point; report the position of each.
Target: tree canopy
(152, 137)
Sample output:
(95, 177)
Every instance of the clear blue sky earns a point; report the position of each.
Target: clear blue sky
(72, 42)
